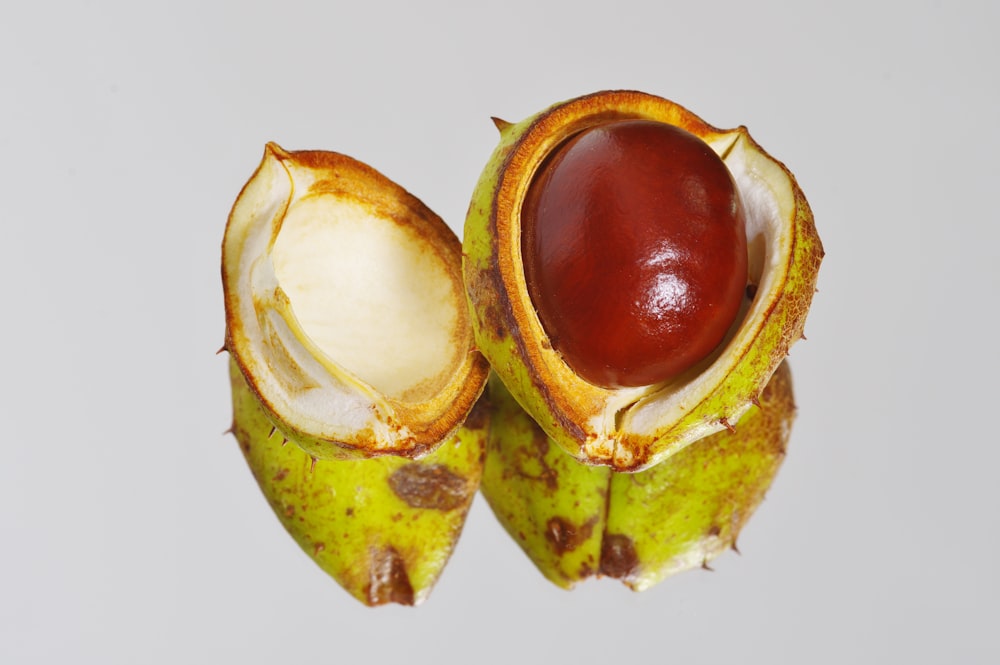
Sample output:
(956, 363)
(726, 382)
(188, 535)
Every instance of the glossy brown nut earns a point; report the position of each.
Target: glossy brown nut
(635, 251)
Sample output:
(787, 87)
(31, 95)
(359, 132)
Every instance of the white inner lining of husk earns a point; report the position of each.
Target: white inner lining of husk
(372, 294)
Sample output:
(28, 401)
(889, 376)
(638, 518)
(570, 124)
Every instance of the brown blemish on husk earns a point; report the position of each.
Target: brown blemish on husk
(564, 536)
(430, 486)
(479, 417)
(618, 556)
(388, 581)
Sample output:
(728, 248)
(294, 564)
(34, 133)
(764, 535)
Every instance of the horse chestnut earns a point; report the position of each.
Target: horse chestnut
(635, 251)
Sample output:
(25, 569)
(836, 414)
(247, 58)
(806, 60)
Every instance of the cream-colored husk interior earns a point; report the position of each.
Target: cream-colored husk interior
(372, 295)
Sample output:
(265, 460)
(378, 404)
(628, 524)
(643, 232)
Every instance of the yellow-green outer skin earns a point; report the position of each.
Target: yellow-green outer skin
(575, 521)
(383, 527)
(553, 506)
(557, 408)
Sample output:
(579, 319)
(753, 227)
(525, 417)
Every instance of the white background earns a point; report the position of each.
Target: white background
(131, 530)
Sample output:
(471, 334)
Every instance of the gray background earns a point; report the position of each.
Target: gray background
(130, 528)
